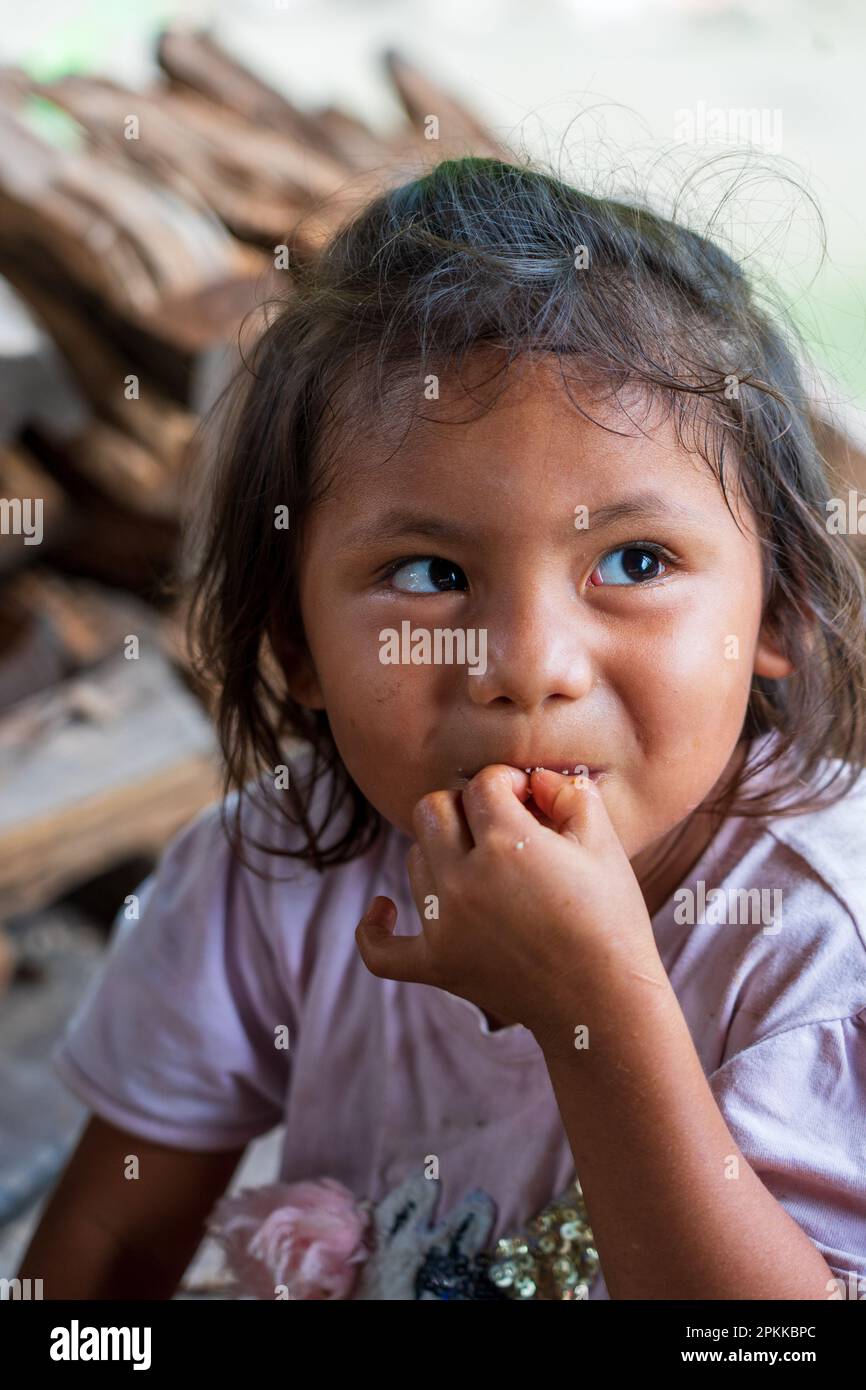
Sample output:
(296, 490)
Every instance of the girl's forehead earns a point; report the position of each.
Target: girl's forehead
(428, 412)
(535, 435)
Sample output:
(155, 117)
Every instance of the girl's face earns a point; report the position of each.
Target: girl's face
(626, 645)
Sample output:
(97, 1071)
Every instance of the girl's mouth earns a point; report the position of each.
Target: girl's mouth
(594, 774)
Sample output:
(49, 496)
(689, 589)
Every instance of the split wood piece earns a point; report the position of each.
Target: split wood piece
(311, 195)
(29, 493)
(263, 185)
(119, 233)
(32, 654)
(101, 372)
(89, 622)
(104, 540)
(96, 771)
(260, 183)
(206, 319)
(124, 470)
(193, 59)
(257, 181)
(35, 383)
(191, 360)
(363, 146)
(52, 628)
(172, 366)
(460, 132)
(197, 60)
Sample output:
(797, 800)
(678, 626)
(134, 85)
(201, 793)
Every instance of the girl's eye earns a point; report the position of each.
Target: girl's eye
(429, 575)
(631, 564)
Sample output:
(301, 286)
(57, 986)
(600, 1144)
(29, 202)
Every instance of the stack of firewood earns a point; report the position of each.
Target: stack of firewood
(139, 239)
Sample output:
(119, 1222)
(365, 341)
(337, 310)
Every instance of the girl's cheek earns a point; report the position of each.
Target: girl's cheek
(685, 696)
(708, 650)
(374, 713)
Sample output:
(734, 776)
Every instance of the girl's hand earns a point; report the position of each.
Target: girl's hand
(524, 917)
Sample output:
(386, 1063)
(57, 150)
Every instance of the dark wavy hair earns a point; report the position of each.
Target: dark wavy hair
(479, 251)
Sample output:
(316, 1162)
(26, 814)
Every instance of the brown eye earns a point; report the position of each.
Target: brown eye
(428, 575)
(631, 564)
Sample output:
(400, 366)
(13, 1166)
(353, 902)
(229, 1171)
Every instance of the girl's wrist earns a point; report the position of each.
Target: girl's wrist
(620, 995)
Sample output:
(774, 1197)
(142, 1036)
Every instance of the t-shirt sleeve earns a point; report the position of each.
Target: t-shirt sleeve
(181, 1038)
(795, 1103)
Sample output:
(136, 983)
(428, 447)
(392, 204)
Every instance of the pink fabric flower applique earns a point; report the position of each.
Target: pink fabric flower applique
(314, 1239)
(307, 1238)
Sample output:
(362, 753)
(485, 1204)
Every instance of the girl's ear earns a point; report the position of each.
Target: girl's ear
(299, 673)
(770, 660)
(303, 684)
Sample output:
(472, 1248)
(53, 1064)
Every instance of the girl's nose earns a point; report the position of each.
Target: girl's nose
(534, 652)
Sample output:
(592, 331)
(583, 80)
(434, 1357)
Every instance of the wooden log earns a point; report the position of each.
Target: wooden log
(88, 621)
(156, 259)
(175, 365)
(102, 373)
(265, 185)
(460, 131)
(31, 656)
(194, 60)
(258, 182)
(100, 538)
(360, 145)
(34, 512)
(125, 471)
(52, 628)
(197, 61)
(35, 383)
(97, 770)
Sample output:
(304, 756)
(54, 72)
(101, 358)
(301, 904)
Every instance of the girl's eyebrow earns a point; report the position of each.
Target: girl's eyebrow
(397, 522)
(644, 505)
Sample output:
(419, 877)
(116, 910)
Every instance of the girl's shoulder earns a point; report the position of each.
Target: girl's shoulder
(815, 853)
(233, 858)
(185, 1036)
(819, 856)
(260, 822)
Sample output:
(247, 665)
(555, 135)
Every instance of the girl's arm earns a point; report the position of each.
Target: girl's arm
(675, 1208)
(107, 1236)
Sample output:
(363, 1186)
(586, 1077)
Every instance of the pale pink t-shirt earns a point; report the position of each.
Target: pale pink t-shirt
(176, 1041)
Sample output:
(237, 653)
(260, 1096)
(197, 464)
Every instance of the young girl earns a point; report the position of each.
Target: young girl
(521, 528)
